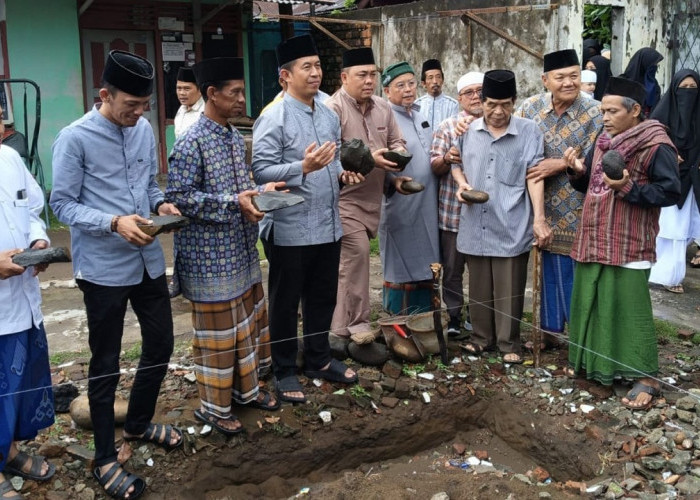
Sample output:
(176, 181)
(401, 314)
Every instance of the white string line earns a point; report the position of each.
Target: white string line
(559, 336)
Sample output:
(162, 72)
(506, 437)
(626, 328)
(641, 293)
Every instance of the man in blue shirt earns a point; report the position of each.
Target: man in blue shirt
(297, 141)
(104, 185)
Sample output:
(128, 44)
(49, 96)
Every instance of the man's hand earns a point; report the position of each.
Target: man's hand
(616, 185)
(7, 267)
(127, 228)
(168, 209)
(381, 162)
(463, 187)
(245, 202)
(543, 233)
(276, 186)
(452, 156)
(40, 245)
(572, 161)
(546, 168)
(350, 178)
(462, 125)
(317, 158)
(400, 180)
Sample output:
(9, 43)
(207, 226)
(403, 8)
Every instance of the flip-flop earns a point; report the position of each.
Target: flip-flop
(517, 361)
(334, 373)
(674, 288)
(637, 389)
(15, 465)
(289, 384)
(472, 348)
(265, 403)
(5, 488)
(213, 420)
(153, 434)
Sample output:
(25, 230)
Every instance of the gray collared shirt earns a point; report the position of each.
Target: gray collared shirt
(501, 227)
(101, 170)
(280, 138)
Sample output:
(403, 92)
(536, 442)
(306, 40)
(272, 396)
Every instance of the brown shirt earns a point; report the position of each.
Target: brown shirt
(377, 128)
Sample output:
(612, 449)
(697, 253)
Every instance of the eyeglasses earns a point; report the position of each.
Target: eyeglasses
(411, 84)
(470, 93)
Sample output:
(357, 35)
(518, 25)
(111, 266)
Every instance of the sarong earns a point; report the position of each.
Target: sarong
(231, 345)
(557, 282)
(26, 397)
(612, 326)
(407, 298)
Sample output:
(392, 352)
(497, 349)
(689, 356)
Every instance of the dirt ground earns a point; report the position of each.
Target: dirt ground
(381, 444)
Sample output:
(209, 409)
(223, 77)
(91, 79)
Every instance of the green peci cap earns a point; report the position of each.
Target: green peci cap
(397, 69)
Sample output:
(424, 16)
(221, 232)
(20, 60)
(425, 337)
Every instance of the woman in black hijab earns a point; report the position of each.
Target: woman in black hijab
(642, 68)
(591, 47)
(679, 110)
(601, 66)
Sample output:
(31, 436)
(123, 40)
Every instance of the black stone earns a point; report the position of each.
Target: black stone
(613, 165)
(355, 156)
(274, 200)
(32, 257)
(412, 186)
(162, 223)
(401, 158)
(475, 196)
(372, 354)
(63, 394)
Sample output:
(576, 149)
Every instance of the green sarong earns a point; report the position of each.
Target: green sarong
(612, 325)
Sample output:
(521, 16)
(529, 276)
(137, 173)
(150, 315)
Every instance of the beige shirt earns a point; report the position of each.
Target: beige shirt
(186, 117)
(377, 128)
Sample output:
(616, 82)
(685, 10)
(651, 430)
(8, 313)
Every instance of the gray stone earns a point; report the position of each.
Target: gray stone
(401, 158)
(17, 483)
(629, 468)
(338, 401)
(389, 384)
(653, 463)
(162, 223)
(655, 435)
(440, 496)
(596, 490)
(659, 486)
(275, 200)
(32, 257)
(523, 478)
(679, 462)
(412, 186)
(613, 164)
(544, 494)
(475, 196)
(695, 472)
(58, 485)
(392, 369)
(685, 416)
(630, 484)
(371, 354)
(614, 491)
(87, 494)
(686, 403)
(688, 485)
(79, 487)
(651, 419)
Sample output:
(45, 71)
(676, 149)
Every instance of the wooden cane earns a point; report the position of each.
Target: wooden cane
(436, 268)
(536, 330)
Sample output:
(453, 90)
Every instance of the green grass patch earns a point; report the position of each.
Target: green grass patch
(133, 352)
(58, 358)
(374, 246)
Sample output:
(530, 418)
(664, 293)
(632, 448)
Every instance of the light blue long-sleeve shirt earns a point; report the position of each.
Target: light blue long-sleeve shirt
(280, 138)
(101, 170)
(437, 109)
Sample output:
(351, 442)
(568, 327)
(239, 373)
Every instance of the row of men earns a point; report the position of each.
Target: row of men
(104, 184)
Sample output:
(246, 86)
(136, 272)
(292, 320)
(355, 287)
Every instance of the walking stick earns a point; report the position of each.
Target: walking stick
(436, 268)
(536, 330)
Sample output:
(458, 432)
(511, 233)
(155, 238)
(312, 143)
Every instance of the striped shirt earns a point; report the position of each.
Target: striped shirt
(578, 127)
(437, 109)
(448, 206)
(501, 227)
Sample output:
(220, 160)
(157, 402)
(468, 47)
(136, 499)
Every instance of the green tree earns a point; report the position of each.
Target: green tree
(597, 23)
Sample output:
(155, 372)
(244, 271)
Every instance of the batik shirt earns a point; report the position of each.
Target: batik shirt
(577, 127)
(216, 259)
(448, 205)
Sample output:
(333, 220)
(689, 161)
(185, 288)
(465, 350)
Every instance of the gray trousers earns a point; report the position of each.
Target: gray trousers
(453, 264)
(496, 295)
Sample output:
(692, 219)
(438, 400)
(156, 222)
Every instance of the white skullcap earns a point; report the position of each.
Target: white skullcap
(469, 79)
(588, 76)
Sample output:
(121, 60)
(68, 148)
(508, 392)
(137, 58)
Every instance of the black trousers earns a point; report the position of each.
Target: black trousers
(106, 307)
(308, 274)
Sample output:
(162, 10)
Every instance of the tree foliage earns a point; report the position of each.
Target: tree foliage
(597, 22)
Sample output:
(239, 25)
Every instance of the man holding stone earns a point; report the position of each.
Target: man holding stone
(105, 168)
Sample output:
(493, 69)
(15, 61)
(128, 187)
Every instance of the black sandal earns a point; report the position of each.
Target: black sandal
(15, 465)
(264, 404)
(122, 482)
(153, 434)
(213, 420)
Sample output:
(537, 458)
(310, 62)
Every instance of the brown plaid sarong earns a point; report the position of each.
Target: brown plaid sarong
(231, 345)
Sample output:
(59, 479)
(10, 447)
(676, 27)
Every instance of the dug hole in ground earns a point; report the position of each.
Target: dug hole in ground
(489, 430)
